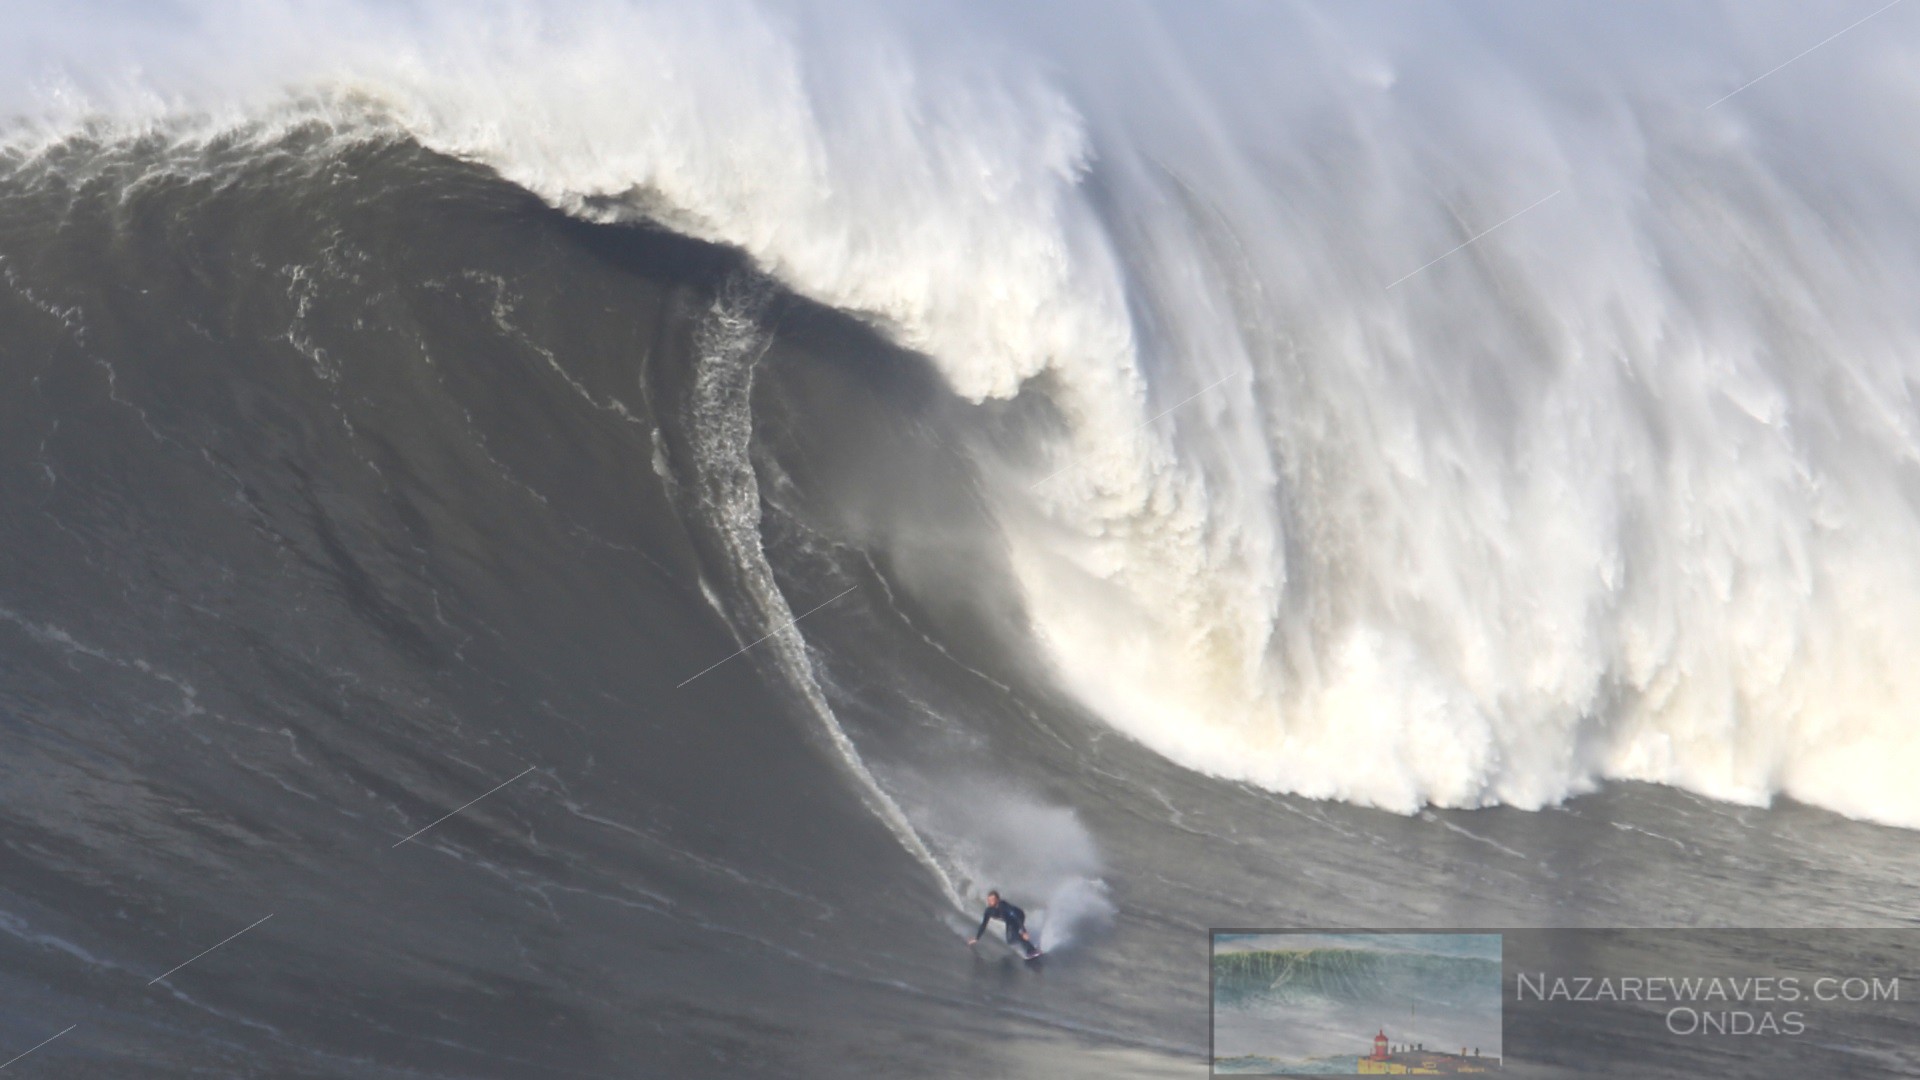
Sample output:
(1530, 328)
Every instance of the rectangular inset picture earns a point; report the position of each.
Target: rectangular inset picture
(1355, 1003)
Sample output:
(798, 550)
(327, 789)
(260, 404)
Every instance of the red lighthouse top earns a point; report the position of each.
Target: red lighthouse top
(1380, 1046)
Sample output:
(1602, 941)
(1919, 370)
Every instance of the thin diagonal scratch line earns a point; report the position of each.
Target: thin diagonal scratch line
(208, 949)
(1828, 41)
(1142, 426)
(766, 635)
(36, 1046)
(464, 805)
(1475, 237)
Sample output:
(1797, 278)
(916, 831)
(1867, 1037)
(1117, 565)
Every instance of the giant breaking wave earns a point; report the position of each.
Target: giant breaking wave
(1385, 433)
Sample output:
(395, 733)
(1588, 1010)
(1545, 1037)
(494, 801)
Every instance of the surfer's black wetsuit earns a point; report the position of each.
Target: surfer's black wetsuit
(1016, 921)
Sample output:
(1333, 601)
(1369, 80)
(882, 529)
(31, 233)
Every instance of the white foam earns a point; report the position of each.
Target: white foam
(1624, 488)
(728, 344)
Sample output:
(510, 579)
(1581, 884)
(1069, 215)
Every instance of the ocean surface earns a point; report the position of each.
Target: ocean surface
(581, 542)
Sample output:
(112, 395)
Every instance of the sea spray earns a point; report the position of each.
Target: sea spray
(1038, 855)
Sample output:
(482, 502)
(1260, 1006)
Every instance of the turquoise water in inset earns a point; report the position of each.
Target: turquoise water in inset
(1291, 1004)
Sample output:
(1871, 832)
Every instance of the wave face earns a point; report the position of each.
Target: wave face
(383, 548)
(1315, 496)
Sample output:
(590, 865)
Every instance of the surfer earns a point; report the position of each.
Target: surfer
(1015, 919)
